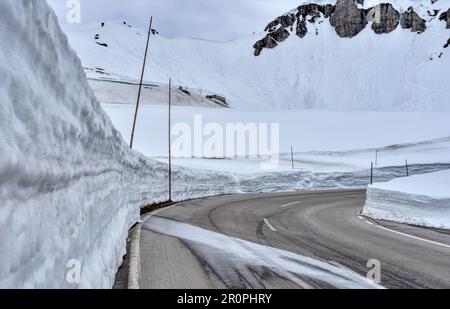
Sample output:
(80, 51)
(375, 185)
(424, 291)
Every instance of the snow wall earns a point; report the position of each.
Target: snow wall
(422, 200)
(70, 188)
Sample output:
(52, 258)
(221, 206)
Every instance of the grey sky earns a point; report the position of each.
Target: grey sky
(209, 19)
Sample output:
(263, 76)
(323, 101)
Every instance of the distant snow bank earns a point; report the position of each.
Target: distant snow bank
(420, 200)
(70, 188)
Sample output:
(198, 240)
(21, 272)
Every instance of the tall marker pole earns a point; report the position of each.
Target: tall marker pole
(292, 157)
(140, 84)
(371, 173)
(170, 140)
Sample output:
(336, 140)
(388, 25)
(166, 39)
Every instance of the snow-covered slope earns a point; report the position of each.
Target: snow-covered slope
(70, 188)
(125, 92)
(397, 71)
(421, 200)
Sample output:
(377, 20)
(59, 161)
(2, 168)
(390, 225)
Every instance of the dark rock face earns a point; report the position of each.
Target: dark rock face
(446, 17)
(285, 21)
(313, 12)
(384, 17)
(410, 20)
(447, 44)
(347, 19)
(271, 40)
(278, 28)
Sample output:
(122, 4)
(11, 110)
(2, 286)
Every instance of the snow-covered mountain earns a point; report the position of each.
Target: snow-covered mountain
(350, 17)
(342, 55)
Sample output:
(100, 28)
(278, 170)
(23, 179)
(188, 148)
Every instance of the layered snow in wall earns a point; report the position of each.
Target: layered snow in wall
(397, 71)
(420, 200)
(70, 188)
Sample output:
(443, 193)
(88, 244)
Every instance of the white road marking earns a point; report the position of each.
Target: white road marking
(269, 225)
(404, 234)
(290, 204)
(339, 265)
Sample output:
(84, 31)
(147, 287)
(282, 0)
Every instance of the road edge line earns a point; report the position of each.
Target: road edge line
(364, 219)
(134, 270)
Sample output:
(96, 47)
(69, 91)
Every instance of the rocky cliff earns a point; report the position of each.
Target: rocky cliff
(445, 16)
(350, 17)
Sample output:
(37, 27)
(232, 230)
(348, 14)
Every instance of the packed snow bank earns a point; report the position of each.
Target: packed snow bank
(335, 156)
(70, 188)
(420, 200)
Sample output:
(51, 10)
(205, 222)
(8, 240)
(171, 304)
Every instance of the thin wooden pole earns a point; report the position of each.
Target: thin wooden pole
(407, 168)
(170, 139)
(371, 173)
(140, 85)
(292, 157)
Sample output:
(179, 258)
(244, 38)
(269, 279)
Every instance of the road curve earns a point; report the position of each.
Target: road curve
(322, 225)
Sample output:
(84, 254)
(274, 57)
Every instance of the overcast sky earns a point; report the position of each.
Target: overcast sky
(208, 19)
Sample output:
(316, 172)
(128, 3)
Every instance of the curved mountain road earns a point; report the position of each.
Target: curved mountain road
(325, 226)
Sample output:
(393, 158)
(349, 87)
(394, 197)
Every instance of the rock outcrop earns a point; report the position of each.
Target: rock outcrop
(347, 19)
(278, 29)
(445, 16)
(410, 20)
(271, 40)
(313, 12)
(384, 17)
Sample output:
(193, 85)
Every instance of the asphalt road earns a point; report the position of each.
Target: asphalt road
(322, 225)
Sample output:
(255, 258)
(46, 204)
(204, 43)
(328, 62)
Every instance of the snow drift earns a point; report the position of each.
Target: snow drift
(420, 200)
(397, 71)
(70, 188)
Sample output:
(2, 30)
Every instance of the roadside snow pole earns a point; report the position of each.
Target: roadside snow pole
(407, 168)
(140, 84)
(292, 157)
(371, 173)
(170, 140)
